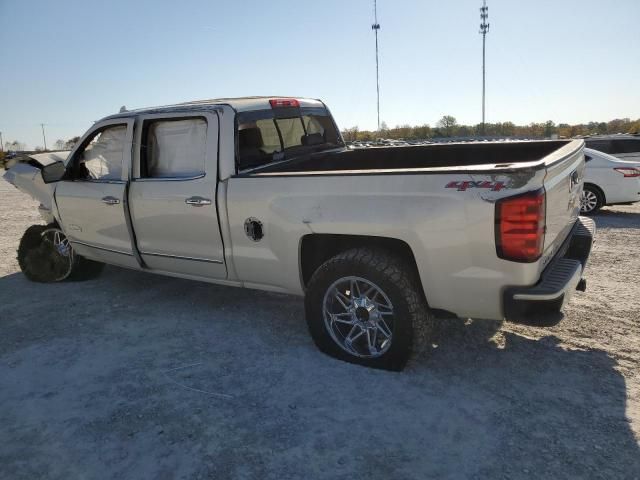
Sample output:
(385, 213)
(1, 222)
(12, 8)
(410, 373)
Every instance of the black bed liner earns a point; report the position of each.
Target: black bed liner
(422, 156)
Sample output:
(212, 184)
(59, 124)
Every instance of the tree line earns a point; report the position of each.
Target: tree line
(60, 144)
(448, 126)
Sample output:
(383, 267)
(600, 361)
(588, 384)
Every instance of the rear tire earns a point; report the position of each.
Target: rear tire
(591, 200)
(365, 306)
(45, 256)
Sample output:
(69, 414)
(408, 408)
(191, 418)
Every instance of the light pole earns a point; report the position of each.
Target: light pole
(484, 28)
(1, 143)
(43, 137)
(375, 27)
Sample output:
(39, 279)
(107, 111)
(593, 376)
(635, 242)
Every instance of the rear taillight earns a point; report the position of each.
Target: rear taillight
(520, 226)
(628, 171)
(284, 102)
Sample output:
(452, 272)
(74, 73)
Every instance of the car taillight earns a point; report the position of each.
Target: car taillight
(520, 226)
(628, 171)
(284, 102)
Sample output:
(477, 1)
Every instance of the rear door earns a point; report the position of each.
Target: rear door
(91, 200)
(173, 194)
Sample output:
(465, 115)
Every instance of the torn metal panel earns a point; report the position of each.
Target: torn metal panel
(26, 177)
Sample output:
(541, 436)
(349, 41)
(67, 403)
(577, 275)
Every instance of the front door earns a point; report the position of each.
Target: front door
(173, 194)
(91, 199)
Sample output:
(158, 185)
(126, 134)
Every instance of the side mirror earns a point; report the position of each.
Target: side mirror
(53, 172)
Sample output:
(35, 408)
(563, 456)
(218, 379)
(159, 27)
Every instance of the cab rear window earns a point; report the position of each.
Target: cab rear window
(266, 136)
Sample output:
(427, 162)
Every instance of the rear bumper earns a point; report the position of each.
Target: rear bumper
(558, 281)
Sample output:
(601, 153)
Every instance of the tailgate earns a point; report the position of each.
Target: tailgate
(563, 185)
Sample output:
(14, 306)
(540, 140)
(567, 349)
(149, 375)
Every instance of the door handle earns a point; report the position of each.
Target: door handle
(110, 200)
(197, 201)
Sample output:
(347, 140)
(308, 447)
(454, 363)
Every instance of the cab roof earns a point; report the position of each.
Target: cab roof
(239, 104)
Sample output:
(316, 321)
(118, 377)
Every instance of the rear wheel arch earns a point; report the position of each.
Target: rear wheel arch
(317, 248)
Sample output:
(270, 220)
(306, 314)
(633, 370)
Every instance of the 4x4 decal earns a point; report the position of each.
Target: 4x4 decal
(462, 186)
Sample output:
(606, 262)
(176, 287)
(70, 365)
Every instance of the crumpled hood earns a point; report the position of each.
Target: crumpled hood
(25, 176)
(45, 159)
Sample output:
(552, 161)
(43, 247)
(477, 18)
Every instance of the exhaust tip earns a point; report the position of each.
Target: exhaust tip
(582, 285)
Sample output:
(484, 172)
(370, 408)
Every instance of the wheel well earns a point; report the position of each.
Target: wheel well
(315, 249)
(596, 187)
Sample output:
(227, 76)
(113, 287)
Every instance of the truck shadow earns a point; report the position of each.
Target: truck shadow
(559, 412)
(610, 218)
(235, 382)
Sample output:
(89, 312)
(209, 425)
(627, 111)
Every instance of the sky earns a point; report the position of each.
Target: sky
(68, 63)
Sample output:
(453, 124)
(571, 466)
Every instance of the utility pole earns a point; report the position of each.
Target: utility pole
(375, 27)
(484, 28)
(1, 143)
(43, 137)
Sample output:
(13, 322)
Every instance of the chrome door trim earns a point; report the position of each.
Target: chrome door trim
(168, 179)
(102, 248)
(178, 257)
(93, 180)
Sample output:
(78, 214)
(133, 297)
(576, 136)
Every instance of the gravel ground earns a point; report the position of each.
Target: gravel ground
(140, 376)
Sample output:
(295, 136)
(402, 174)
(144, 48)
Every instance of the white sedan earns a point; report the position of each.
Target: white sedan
(608, 181)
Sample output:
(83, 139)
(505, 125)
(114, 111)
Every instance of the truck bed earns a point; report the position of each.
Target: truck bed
(419, 157)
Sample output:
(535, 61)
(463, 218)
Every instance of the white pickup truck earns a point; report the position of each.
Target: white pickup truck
(262, 193)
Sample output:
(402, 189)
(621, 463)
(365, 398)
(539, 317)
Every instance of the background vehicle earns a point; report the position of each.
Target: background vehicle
(262, 193)
(624, 147)
(10, 158)
(608, 181)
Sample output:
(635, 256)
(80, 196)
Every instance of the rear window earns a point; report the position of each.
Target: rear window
(625, 146)
(265, 136)
(600, 145)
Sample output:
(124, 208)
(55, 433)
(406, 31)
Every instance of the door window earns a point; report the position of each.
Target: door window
(101, 157)
(174, 148)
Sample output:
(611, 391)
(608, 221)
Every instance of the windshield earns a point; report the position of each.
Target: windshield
(265, 136)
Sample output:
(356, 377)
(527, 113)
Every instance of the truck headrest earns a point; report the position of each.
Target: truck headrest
(250, 138)
(312, 139)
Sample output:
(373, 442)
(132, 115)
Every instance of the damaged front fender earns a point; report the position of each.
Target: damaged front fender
(26, 176)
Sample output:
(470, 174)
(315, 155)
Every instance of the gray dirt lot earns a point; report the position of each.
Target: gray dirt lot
(141, 376)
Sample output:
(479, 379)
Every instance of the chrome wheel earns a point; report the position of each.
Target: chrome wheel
(62, 253)
(588, 201)
(359, 317)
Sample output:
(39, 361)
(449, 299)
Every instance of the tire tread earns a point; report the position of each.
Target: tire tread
(397, 271)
